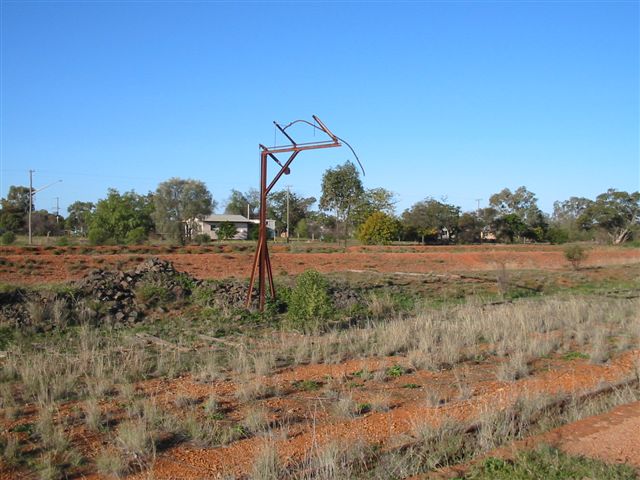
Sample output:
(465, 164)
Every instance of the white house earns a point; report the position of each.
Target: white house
(209, 225)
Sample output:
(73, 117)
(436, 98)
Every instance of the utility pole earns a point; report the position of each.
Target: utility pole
(32, 193)
(30, 207)
(288, 193)
(478, 214)
(57, 209)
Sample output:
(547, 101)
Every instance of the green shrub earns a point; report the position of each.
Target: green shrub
(379, 229)
(153, 294)
(226, 231)
(202, 239)
(204, 296)
(98, 236)
(309, 303)
(63, 242)
(547, 462)
(8, 238)
(557, 235)
(575, 254)
(137, 236)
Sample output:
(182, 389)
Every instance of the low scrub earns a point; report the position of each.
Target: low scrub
(548, 462)
(309, 305)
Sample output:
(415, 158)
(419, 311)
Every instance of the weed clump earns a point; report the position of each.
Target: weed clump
(548, 462)
(8, 238)
(309, 304)
(575, 254)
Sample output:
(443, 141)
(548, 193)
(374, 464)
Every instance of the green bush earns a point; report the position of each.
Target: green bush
(137, 236)
(63, 242)
(547, 462)
(98, 236)
(202, 239)
(378, 229)
(204, 296)
(8, 238)
(557, 235)
(226, 231)
(154, 294)
(309, 303)
(575, 254)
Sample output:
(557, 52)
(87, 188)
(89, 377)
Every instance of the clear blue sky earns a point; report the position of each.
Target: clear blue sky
(455, 99)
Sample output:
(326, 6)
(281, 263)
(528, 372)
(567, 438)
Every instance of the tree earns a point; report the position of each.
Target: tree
(299, 208)
(374, 200)
(177, 201)
(318, 224)
(45, 223)
(615, 212)
(564, 225)
(238, 202)
(341, 191)
(226, 230)
(119, 214)
(470, 227)
(531, 222)
(510, 226)
(79, 214)
(568, 211)
(518, 201)
(302, 228)
(379, 229)
(431, 219)
(13, 215)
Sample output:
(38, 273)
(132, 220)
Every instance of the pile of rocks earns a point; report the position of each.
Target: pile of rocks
(112, 297)
(344, 297)
(116, 290)
(12, 307)
(229, 293)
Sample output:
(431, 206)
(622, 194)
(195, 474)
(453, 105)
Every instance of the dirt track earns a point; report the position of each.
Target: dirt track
(47, 266)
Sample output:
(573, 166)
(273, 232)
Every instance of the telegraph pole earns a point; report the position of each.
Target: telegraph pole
(478, 215)
(288, 193)
(30, 200)
(57, 208)
(32, 193)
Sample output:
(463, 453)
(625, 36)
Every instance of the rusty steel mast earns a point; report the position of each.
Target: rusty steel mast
(261, 261)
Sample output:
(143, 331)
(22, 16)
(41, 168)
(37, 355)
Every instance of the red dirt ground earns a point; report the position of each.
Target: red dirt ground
(310, 422)
(41, 265)
(612, 437)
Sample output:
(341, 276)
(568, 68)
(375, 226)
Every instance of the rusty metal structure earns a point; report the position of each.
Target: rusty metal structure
(261, 261)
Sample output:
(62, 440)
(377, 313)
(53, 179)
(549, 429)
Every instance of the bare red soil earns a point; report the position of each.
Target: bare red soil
(41, 265)
(611, 437)
(302, 420)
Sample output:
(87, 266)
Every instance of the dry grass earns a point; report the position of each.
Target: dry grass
(252, 389)
(136, 444)
(93, 417)
(11, 450)
(442, 338)
(514, 368)
(256, 420)
(93, 365)
(266, 465)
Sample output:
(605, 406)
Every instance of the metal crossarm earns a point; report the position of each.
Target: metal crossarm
(261, 261)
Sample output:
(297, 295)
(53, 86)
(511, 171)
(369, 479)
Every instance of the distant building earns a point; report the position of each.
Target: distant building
(209, 225)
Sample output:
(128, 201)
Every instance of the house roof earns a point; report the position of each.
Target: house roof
(225, 218)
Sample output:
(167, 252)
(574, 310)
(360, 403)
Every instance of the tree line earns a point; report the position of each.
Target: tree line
(345, 210)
